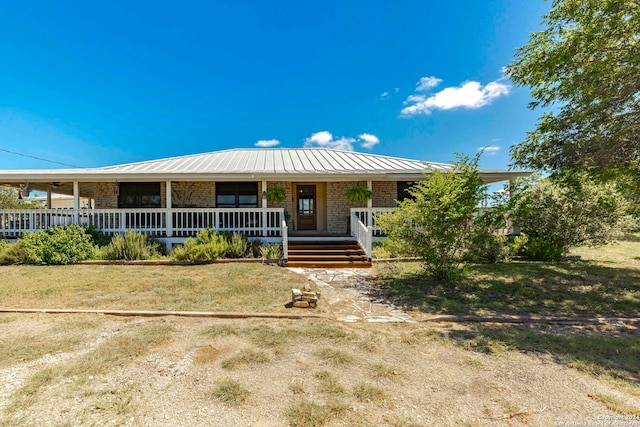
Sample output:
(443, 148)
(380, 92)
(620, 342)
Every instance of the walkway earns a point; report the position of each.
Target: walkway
(345, 290)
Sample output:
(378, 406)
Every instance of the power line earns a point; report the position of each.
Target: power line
(38, 158)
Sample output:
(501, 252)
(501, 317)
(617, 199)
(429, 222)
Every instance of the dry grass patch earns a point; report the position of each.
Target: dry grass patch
(230, 392)
(112, 353)
(216, 287)
(380, 371)
(245, 357)
(328, 383)
(308, 413)
(369, 394)
(334, 356)
(614, 404)
(204, 355)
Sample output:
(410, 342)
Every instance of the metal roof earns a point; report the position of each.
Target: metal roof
(274, 163)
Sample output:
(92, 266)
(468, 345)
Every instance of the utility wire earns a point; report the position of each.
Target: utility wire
(38, 158)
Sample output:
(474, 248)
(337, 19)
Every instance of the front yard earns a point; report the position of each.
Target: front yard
(68, 370)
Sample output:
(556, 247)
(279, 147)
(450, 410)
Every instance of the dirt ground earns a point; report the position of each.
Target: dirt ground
(173, 371)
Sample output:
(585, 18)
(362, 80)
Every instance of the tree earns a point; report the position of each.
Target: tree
(586, 65)
(438, 218)
(9, 199)
(557, 216)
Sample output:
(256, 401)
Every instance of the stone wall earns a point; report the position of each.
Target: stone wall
(385, 194)
(287, 203)
(338, 207)
(105, 195)
(201, 194)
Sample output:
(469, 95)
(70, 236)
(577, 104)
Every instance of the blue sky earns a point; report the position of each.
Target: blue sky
(101, 83)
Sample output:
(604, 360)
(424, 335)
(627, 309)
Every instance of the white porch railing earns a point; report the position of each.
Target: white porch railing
(362, 233)
(254, 222)
(368, 218)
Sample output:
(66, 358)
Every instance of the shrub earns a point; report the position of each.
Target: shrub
(487, 246)
(439, 217)
(207, 246)
(254, 248)
(58, 245)
(98, 238)
(131, 245)
(557, 216)
(392, 248)
(272, 251)
(237, 245)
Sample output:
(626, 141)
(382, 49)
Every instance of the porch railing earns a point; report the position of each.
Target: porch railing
(368, 218)
(362, 233)
(256, 222)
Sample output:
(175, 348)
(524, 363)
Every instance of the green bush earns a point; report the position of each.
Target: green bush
(207, 246)
(57, 246)
(131, 245)
(254, 248)
(272, 251)
(557, 216)
(97, 236)
(237, 245)
(537, 249)
(392, 248)
(487, 247)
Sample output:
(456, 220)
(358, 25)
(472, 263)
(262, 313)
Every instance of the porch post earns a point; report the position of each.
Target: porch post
(370, 204)
(264, 208)
(76, 202)
(48, 215)
(169, 214)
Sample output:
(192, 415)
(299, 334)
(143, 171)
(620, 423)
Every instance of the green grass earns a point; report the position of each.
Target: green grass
(218, 287)
(586, 287)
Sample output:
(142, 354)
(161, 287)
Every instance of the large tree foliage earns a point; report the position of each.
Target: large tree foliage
(9, 199)
(556, 216)
(585, 66)
(438, 219)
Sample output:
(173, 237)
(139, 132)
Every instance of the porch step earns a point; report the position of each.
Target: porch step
(326, 254)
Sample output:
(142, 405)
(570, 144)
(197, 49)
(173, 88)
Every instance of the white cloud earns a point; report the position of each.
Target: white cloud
(384, 94)
(325, 139)
(427, 83)
(468, 95)
(369, 140)
(266, 143)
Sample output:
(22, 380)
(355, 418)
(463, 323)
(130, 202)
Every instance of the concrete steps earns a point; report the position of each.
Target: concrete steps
(326, 254)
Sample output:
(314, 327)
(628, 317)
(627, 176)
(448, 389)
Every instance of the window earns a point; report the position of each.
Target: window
(237, 194)
(139, 195)
(402, 190)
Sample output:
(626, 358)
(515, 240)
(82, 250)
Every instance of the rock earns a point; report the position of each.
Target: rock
(301, 304)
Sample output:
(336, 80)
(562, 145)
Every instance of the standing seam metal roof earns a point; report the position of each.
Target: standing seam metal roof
(279, 161)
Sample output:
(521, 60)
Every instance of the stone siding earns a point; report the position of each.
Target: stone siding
(105, 195)
(199, 194)
(385, 194)
(338, 207)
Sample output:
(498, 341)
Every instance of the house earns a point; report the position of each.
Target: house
(173, 198)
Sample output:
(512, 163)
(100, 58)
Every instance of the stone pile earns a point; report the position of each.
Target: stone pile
(304, 299)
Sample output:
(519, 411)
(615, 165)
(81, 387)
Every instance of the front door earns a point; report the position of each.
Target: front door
(307, 207)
